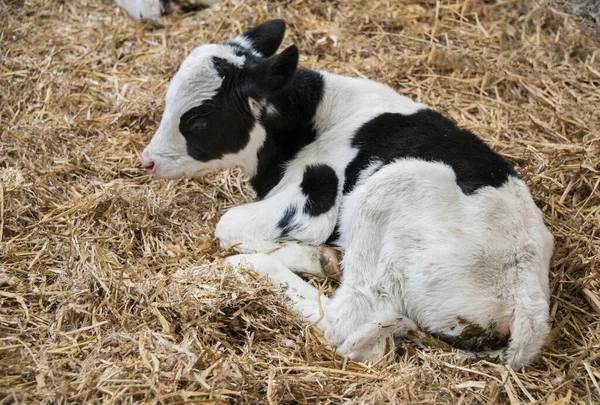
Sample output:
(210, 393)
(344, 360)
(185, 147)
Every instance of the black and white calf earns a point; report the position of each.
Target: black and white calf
(439, 231)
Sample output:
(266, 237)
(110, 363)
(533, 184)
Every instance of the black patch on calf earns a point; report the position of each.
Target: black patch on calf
(334, 238)
(289, 130)
(224, 67)
(320, 185)
(285, 223)
(429, 136)
(266, 37)
(222, 124)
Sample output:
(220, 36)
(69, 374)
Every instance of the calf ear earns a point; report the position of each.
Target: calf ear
(274, 73)
(264, 38)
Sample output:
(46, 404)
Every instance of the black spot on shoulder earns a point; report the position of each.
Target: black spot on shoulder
(430, 136)
(320, 185)
(286, 223)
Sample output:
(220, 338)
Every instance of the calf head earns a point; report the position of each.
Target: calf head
(214, 104)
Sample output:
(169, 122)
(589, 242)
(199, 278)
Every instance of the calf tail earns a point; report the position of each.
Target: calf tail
(530, 325)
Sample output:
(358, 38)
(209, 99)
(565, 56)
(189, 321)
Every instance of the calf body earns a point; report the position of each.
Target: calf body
(439, 231)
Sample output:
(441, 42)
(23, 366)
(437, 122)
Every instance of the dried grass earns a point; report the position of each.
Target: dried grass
(111, 289)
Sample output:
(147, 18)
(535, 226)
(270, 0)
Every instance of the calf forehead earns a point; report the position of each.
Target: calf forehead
(197, 79)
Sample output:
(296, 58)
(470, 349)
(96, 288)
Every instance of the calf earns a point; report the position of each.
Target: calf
(439, 231)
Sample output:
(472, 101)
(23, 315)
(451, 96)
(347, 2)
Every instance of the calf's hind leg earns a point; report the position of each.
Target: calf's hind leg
(363, 317)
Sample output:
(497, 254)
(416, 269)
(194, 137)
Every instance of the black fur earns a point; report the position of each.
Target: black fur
(230, 119)
(334, 238)
(272, 74)
(289, 130)
(222, 124)
(320, 185)
(430, 136)
(285, 223)
(266, 37)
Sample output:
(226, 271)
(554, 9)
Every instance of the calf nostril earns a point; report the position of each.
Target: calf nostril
(147, 164)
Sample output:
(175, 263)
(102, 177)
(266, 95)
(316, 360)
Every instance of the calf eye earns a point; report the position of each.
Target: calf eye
(192, 124)
(200, 123)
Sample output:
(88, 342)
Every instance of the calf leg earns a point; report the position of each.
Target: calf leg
(315, 260)
(371, 339)
(351, 311)
(306, 297)
(254, 228)
(366, 311)
(349, 320)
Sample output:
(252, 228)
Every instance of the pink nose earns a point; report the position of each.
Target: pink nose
(147, 163)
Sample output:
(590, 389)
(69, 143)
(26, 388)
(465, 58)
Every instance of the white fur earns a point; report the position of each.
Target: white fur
(411, 254)
(244, 42)
(418, 250)
(142, 9)
(437, 255)
(151, 9)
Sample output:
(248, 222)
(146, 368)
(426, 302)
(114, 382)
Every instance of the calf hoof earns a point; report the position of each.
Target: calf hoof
(236, 260)
(330, 264)
(319, 261)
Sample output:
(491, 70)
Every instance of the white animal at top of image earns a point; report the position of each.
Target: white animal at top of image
(439, 231)
(155, 10)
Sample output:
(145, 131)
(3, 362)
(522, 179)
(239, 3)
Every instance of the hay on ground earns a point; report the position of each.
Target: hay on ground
(111, 287)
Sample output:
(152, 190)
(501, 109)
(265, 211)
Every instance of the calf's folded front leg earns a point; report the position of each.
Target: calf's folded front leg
(256, 228)
(306, 298)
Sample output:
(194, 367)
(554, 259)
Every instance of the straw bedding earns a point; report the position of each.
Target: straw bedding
(111, 287)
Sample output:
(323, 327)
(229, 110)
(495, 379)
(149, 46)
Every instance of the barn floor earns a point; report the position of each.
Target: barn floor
(111, 287)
